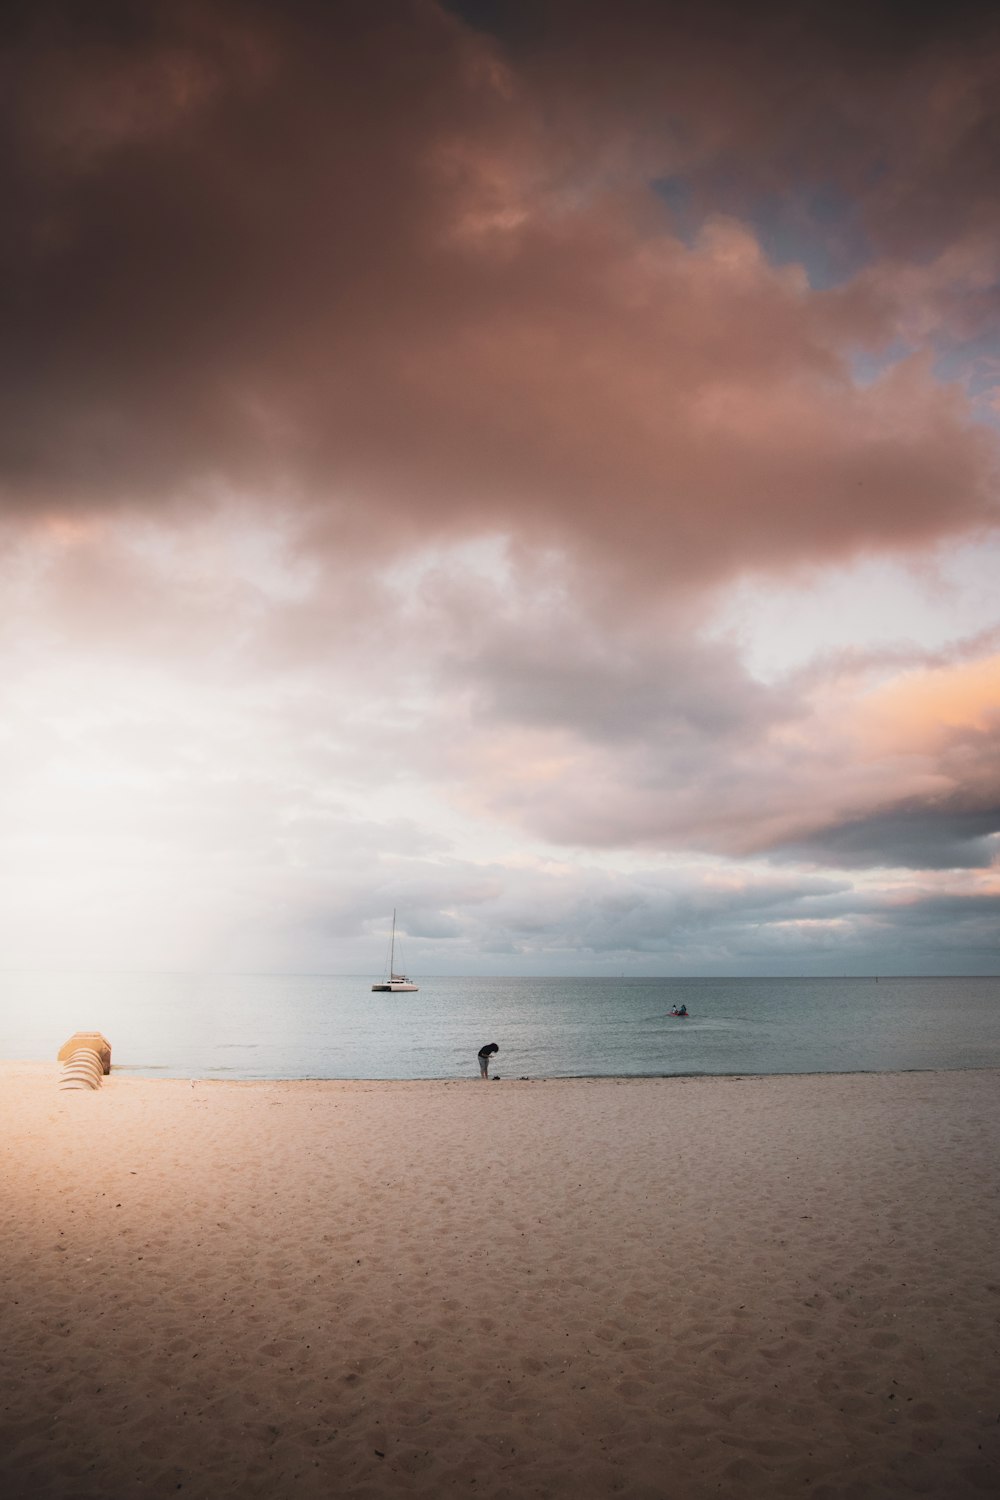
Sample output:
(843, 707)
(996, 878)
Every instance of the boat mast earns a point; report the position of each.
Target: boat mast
(392, 947)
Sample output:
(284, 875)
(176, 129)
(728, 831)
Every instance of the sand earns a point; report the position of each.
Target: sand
(675, 1287)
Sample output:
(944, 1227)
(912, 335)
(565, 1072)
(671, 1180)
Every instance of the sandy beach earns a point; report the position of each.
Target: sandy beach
(673, 1287)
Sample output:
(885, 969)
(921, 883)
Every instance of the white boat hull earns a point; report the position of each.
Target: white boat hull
(396, 989)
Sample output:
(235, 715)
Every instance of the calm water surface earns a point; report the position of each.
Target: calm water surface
(302, 1026)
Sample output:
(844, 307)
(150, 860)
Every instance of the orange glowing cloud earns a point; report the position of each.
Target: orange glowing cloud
(924, 712)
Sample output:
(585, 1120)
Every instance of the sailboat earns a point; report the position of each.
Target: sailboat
(396, 984)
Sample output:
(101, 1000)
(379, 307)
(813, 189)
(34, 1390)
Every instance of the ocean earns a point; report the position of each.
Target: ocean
(332, 1026)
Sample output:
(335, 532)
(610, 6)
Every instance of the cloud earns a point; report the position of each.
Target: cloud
(344, 261)
(650, 737)
(910, 834)
(891, 108)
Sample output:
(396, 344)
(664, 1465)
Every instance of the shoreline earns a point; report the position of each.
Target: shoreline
(627, 1285)
(127, 1071)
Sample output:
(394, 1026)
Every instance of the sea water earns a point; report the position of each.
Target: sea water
(323, 1026)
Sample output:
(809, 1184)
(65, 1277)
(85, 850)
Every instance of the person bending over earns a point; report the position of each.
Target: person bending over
(485, 1053)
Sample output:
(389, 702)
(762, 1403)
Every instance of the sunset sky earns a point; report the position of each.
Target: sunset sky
(532, 465)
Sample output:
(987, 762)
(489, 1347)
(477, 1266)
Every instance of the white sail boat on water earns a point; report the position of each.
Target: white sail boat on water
(396, 984)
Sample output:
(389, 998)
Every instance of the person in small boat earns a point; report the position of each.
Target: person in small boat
(682, 1012)
(485, 1053)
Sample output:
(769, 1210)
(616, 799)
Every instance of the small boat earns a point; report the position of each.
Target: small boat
(680, 1015)
(395, 984)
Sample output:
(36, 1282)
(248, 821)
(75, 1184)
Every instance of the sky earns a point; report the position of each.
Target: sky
(530, 465)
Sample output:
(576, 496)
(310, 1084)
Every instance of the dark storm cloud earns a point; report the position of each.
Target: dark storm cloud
(360, 257)
(187, 188)
(910, 835)
(885, 112)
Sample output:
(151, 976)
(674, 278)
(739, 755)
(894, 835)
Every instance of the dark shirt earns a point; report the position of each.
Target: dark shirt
(489, 1049)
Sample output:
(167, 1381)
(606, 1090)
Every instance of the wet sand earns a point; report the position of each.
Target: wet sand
(645, 1288)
